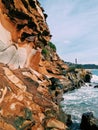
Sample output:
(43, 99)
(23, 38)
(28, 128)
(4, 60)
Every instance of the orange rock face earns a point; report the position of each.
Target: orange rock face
(24, 71)
(26, 23)
(22, 99)
(23, 19)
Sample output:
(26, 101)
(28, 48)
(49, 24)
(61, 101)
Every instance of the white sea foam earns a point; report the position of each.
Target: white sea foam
(79, 101)
(94, 79)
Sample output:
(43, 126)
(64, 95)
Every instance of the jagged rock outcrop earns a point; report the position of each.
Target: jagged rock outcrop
(25, 34)
(25, 20)
(24, 102)
(24, 23)
(89, 122)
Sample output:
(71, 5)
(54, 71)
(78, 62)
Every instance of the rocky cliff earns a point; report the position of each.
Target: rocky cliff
(32, 76)
(28, 60)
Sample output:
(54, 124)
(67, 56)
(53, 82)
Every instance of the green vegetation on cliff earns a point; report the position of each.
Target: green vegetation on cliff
(52, 46)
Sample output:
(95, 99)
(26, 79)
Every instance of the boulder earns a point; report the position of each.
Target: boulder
(96, 86)
(53, 123)
(89, 122)
(56, 83)
(56, 88)
(87, 78)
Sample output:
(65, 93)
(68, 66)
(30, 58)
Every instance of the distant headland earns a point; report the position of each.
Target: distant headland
(84, 66)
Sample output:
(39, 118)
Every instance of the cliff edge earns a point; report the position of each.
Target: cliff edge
(28, 60)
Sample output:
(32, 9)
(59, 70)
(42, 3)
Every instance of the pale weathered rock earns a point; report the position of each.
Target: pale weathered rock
(20, 21)
(7, 54)
(53, 123)
(14, 79)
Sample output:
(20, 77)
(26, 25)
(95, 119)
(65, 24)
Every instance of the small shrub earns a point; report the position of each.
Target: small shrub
(18, 122)
(71, 69)
(45, 51)
(52, 46)
(28, 114)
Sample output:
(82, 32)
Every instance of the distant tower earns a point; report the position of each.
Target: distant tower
(75, 60)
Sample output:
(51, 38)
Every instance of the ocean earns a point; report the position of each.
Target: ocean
(95, 71)
(82, 100)
(94, 76)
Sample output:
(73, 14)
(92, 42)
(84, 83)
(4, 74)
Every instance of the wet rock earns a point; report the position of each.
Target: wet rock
(96, 86)
(87, 78)
(89, 122)
(56, 84)
(56, 89)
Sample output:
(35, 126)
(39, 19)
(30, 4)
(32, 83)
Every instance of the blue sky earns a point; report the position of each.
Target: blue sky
(74, 26)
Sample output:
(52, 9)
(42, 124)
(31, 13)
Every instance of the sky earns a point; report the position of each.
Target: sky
(74, 28)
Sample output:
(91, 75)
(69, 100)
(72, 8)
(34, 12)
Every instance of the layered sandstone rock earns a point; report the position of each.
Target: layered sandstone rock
(23, 24)
(26, 102)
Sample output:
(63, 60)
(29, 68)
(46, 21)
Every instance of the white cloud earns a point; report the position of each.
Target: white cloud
(67, 42)
(74, 26)
(83, 56)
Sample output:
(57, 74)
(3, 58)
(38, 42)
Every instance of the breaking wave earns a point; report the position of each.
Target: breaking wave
(80, 101)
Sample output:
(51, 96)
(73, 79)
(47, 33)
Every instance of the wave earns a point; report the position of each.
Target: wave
(94, 79)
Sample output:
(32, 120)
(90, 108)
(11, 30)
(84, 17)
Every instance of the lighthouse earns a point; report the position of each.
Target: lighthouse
(76, 61)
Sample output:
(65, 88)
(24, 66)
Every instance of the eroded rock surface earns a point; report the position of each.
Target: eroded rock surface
(32, 75)
(24, 102)
(25, 69)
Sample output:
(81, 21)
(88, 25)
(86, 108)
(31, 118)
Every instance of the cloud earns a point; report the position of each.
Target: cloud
(84, 57)
(74, 26)
(67, 42)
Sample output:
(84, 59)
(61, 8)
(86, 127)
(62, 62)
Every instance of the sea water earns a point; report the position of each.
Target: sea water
(94, 76)
(82, 100)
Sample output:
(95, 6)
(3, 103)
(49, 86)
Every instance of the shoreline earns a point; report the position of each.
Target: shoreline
(73, 84)
(76, 125)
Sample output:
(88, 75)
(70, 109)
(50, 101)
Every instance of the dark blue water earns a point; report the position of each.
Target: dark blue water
(82, 100)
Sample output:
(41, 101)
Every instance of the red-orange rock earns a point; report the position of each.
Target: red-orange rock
(6, 126)
(35, 59)
(24, 70)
